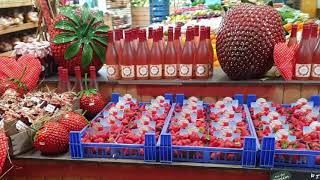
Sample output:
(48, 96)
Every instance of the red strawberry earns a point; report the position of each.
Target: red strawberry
(91, 101)
(3, 149)
(52, 139)
(73, 121)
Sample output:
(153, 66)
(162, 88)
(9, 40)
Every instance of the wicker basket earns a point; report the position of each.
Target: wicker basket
(140, 16)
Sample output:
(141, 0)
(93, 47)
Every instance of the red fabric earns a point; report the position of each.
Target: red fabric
(284, 59)
(3, 149)
(9, 67)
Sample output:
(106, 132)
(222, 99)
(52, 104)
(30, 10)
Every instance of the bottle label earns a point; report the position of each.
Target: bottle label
(142, 71)
(185, 70)
(202, 69)
(112, 70)
(156, 70)
(170, 70)
(127, 71)
(316, 70)
(303, 70)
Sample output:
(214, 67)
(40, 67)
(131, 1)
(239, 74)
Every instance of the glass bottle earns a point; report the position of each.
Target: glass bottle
(170, 58)
(121, 37)
(77, 87)
(156, 58)
(201, 66)
(143, 54)
(93, 84)
(304, 56)
(314, 37)
(210, 48)
(60, 78)
(196, 35)
(177, 46)
(117, 44)
(187, 57)
(66, 81)
(293, 37)
(150, 37)
(112, 62)
(161, 41)
(127, 64)
(315, 74)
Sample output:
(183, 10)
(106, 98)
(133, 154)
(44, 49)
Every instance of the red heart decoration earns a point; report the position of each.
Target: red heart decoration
(284, 59)
(11, 68)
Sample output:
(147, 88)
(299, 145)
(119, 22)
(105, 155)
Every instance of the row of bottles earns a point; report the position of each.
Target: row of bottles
(136, 57)
(307, 59)
(64, 84)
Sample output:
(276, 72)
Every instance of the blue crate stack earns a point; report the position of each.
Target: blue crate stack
(159, 10)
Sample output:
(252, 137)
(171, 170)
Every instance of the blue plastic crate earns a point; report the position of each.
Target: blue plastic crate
(271, 157)
(164, 9)
(159, 2)
(80, 150)
(245, 156)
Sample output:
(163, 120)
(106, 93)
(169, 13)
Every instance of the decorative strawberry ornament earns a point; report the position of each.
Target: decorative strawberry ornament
(91, 101)
(52, 139)
(3, 149)
(284, 59)
(73, 121)
(79, 37)
(22, 74)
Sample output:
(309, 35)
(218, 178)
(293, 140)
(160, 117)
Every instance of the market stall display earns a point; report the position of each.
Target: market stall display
(209, 118)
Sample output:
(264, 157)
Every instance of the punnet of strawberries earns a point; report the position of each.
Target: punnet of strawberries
(127, 122)
(222, 125)
(294, 128)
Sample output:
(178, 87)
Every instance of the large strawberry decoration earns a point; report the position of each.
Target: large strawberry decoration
(79, 37)
(91, 101)
(22, 74)
(52, 139)
(73, 121)
(3, 149)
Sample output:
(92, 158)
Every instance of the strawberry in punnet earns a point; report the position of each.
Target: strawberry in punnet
(73, 121)
(91, 101)
(52, 139)
(3, 149)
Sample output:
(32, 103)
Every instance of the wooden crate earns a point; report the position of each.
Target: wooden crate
(14, 3)
(140, 16)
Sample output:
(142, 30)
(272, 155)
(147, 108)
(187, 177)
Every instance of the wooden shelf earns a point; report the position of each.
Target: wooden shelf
(15, 3)
(8, 53)
(20, 27)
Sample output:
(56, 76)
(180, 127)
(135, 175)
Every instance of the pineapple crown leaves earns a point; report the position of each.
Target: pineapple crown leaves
(86, 33)
(86, 91)
(18, 81)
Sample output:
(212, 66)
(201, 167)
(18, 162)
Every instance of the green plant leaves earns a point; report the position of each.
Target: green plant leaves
(64, 37)
(102, 28)
(87, 54)
(65, 25)
(99, 51)
(71, 15)
(102, 39)
(72, 50)
(85, 13)
(98, 17)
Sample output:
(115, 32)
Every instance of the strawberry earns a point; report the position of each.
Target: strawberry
(3, 149)
(52, 139)
(73, 121)
(91, 101)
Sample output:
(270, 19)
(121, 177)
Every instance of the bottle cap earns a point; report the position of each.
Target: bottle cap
(170, 34)
(196, 30)
(150, 33)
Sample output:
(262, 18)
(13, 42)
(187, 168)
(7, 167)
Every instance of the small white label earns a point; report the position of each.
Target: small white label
(142, 70)
(170, 70)
(50, 108)
(185, 70)
(316, 70)
(303, 70)
(156, 70)
(21, 126)
(201, 69)
(127, 71)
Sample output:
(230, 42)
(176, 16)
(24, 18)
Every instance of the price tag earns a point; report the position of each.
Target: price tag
(50, 108)
(21, 126)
